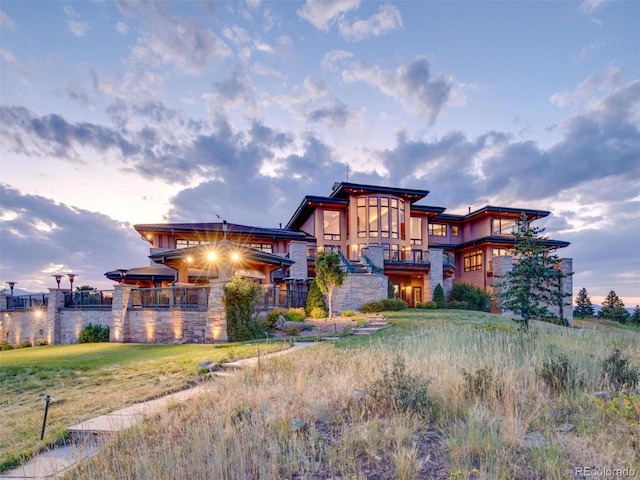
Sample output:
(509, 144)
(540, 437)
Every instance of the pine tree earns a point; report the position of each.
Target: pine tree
(534, 281)
(584, 308)
(315, 300)
(635, 317)
(438, 297)
(613, 308)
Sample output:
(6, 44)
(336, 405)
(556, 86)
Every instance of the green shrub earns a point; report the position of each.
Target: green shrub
(430, 305)
(295, 315)
(272, 316)
(560, 374)
(438, 297)
(240, 299)
(315, 299)
(475, 297)
(458, 305)
(385, 305)
(94, 333)
(317, 312)
(400, 390)
(348, 313)
(42, 342)
(25, 344)
(293, 331)
(5, 346)
(618, 372)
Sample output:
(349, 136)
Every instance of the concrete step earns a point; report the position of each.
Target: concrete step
(365, 330)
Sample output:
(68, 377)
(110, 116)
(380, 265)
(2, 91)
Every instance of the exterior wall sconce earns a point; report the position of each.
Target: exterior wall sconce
(211, 256)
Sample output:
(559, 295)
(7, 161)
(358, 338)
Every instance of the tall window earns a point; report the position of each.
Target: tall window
(394, 218)
(362, 217)
(455, 230)
(473, 261)
(374, 226)
(503, 226)
(384, 217)
(416, 231)
(438, 229)
(331, 225)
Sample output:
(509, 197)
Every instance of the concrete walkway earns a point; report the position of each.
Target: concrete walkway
(88, 436)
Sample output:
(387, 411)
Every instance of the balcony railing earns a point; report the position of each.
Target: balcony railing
(193, 298)
(27, 302)
(274, 297)
(407, 256)
(88, 299)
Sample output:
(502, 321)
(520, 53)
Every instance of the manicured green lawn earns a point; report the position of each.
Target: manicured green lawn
(88, 380)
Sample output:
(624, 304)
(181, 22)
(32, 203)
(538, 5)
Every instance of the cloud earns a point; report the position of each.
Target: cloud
(6, 22)
(387, 19)
(334, 114)
(175, 41)
(40, 237)
(78, 28)
(590, 89)
(331, 60)
(236, 91)
(412, 85)
(122, 28)
(322, 13)
(590, 6)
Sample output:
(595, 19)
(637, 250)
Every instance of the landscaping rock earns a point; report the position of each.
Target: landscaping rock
(566, 427)
(204, 364)
(600, 395)
(280, 322)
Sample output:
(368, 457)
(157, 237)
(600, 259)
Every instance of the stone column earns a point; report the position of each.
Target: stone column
(216, 326)
(119, 313)
(54, 304)
(501, 266)
(566, 267)
(375, 254)
(436, 260)
(298, 253)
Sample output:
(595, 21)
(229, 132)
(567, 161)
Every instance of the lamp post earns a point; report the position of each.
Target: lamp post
(11, 285)
(123, 273)
(224, 228)
(58, 278)
(72, 277)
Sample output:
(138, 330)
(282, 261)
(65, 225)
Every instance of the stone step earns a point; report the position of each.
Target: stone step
(365, 330)
(376, 324)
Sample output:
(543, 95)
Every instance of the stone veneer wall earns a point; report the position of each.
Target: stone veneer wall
(23, 326)
(298, 253)
(72, 321)
(166, 326)
(436, 259)
(358, 289)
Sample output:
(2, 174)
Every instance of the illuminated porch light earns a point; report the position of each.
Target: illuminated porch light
(235, 256)
(148, 236)
(189, 259)
(211, 256)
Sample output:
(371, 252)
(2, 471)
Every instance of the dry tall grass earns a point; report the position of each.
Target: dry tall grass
(324, 413)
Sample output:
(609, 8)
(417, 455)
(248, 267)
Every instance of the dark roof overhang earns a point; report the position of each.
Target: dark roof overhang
(345, 189)
(216, 231)
(309, 204)
(508, 212)
(427, 210)
(508, 241)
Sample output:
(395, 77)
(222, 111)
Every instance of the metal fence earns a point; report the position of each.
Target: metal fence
(271, 297)
(194, 298)
(88, 299)
(27, 302)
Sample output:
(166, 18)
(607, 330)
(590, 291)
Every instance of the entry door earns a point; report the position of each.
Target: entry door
(416, 293)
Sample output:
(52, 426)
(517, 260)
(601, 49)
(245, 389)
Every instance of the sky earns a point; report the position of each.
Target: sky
(117, 113)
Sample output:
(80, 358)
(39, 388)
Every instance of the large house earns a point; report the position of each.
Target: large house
(382, 234)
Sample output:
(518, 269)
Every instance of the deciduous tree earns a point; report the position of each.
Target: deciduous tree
(329, 275)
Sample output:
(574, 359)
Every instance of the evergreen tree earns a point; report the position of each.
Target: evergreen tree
(613, 308)
(635, 317)
(584, 308)
(533, 282)
(438, 297)
(329, 275)
(314, 299)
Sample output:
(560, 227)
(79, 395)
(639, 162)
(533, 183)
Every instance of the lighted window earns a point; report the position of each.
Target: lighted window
(384, 217)
(416, 231)
(331, 225)
(455, 230)
(438, 229)
(394, 218)
(265, 247)
(503, 226)
(182, 243)
(374, 226)
(362, 217)
(473, 261)
(501, 252)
